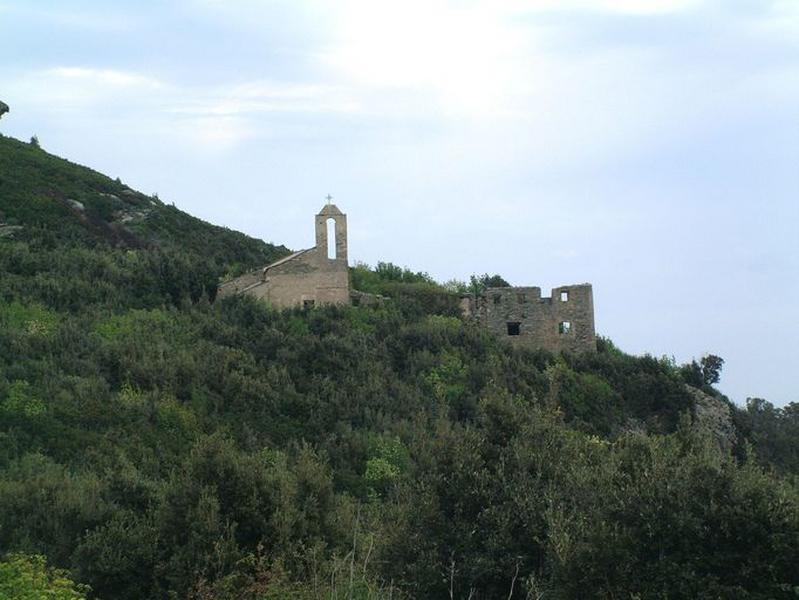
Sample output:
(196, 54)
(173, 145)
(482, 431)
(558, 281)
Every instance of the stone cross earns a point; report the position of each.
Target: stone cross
(328, 198)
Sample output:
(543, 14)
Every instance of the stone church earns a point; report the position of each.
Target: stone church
(562, 321)
(318, 275)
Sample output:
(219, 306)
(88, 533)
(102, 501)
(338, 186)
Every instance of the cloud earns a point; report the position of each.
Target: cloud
(88, 19)
(75, 89)
(481, 70)
(257, 97)
(464, 60)
(634, 7)
(780, 19)
(216, 116)
(104, 77)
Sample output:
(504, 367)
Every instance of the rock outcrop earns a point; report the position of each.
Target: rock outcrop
(714, 415)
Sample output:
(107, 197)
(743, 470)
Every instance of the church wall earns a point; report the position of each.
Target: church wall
(307, 278)
(296, 281)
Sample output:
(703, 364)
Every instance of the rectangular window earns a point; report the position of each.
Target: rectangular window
(331, 239)
(514, 328)
(308, 303)
(565, 327)
(564, 296)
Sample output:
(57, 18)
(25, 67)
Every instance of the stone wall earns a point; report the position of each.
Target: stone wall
(305, 278)
(562, 321)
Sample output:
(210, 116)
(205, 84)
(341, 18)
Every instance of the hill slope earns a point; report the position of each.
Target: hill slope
(156, 444)
(47, 200)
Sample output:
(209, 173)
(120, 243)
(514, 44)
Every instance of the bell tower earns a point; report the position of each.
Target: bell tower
(331, 236)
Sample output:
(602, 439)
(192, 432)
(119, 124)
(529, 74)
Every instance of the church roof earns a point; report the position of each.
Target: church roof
(330, 209)
(285, 259)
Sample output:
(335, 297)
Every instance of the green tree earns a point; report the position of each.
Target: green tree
(711, 368)
(479, 283)
(27, 577)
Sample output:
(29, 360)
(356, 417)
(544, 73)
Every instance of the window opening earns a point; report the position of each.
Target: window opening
(564, 296)
(497, 299)
(514, 328)
(308, 303)
(565, 327)
(331, 239)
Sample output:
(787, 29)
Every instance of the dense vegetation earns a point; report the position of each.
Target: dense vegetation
(155, 443)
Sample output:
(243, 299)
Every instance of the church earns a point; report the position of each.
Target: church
(308, 278)
(562, 321)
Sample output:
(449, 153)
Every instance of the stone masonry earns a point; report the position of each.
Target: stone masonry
(306, 278)
(320, 275)
(563, 321)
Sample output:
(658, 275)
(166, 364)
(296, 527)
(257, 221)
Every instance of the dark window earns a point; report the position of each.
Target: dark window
(565, 327)
(564, 296)
(514, 328)
(497, 299)
(308, 303)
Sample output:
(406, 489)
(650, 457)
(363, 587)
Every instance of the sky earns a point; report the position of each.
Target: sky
(650, 147)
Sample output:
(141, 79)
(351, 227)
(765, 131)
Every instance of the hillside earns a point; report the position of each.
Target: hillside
(48, 202)
(155, 443)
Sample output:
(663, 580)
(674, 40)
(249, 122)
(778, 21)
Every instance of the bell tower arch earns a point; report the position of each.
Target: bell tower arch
(331, 236)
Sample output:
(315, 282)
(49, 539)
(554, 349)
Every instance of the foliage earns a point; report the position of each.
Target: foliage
(704, 373)
(772, 433)
(25, 577)
(159, 444)
(477, 284)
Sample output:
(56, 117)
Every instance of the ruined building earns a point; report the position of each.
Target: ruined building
(563, 321)
(318, 275)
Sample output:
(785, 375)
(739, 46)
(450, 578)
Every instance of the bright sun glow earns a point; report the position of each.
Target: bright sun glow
(464, 57)
(477, 58)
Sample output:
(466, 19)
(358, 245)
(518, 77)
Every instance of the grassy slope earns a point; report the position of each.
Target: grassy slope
(40, 192)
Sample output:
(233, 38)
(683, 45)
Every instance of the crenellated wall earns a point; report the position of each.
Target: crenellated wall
(562, 321)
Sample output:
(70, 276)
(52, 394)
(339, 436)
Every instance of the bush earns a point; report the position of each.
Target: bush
(27, 577)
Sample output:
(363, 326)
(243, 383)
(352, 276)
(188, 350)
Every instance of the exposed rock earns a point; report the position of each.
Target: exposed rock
(3, 109)
(8, 230)
(76, 205)
(714, 415)
(633, 426)
(134, 215)
(358, 298)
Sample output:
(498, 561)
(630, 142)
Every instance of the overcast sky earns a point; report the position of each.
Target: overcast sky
(650, 147)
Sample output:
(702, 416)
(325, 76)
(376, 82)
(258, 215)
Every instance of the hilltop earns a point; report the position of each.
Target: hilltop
(158, 443)
(50, 202)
